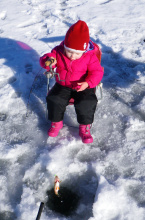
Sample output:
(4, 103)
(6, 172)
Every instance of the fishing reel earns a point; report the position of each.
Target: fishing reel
(51, 73)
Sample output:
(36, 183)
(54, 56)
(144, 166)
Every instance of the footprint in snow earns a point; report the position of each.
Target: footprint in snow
(28, 68)
(1, 31)
(3, 116)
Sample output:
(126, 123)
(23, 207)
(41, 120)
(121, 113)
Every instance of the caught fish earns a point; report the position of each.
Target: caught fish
(56, 185)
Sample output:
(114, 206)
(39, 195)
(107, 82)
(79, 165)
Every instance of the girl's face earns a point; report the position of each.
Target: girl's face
(72, 55)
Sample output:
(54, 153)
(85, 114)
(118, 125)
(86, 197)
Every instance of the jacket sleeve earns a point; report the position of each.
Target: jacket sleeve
(95, 72)
(45, 57)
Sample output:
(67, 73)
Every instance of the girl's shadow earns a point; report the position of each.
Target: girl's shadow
(23, 61)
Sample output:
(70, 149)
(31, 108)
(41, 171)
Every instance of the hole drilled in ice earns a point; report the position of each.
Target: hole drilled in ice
(65, 204)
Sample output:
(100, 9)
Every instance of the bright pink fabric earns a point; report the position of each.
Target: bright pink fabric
(85, 69)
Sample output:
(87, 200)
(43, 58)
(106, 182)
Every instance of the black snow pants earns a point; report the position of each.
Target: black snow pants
(85, 103)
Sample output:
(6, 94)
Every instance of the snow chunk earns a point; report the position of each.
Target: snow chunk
(3, 15)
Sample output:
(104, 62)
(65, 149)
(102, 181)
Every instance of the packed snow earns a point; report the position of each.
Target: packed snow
(108, 175)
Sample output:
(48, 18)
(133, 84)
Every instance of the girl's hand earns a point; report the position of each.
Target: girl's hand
(83, 85)
(50, 61)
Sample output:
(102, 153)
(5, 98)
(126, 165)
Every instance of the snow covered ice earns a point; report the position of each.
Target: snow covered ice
(107, 175)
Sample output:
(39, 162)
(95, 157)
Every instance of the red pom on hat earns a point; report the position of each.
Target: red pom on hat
(77, 37)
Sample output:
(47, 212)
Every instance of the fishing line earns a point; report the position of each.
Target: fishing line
(31, 89)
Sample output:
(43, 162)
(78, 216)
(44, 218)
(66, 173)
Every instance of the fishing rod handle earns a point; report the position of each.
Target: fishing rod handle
(40, 211)
(50, 61)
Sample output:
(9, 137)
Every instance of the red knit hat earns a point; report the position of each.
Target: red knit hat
(77, 37)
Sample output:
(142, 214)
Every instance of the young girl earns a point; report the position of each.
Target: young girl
(80, 72)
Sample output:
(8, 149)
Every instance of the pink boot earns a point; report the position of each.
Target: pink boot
(84, 132)
(54, 129)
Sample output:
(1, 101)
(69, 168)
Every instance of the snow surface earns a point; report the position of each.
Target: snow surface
(108, 175)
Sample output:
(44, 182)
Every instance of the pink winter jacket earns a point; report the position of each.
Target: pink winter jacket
(85, 69)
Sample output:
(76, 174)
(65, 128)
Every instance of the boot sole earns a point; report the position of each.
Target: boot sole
(87, 141)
